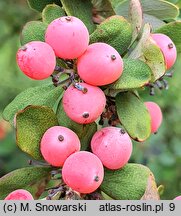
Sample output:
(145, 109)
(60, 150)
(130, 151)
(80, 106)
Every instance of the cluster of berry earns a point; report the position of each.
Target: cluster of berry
(97, 64)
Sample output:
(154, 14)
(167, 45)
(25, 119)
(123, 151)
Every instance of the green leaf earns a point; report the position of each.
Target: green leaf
(135, 17)
(150, 53)
(52, 12)
(33, 179)
(158, 8)
(81, 9)
(84, 132)
(128, 183)
(172, 30)
(33, 31)
(103, 8)
(39, 5)
(154, 21)
(115, 31)
(31, 124)
(136, 74)
(46, 95)
(133, 115)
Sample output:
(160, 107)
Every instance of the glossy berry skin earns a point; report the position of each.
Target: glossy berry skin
(112, 146)
(57, 144)
(177, 198)
(81, 107)
(167, 47)
(83, 172)
(36, 60)
(68, 36)
(19, 194)
(100, 65)
(155, 114)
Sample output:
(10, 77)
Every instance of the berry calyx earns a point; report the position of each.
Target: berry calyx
(19, 194)
(36, 60)
(68, 36)
(155, 114)
(112, 146)
(100, 65)
(77, 103)
(167, 47)
(83, 172)
(57, 144)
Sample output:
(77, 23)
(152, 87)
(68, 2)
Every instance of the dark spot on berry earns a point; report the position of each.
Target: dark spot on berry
(68, 18)
(84, 90)
(60, 138)
(85, 115)
(96, 179)
(113, 57)
(122, 131)
(170, 45)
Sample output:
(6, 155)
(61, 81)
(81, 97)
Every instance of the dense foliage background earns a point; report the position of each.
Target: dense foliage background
(161, 153)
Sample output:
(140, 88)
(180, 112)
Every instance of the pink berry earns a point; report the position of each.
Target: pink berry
(112, 146)
(68, 36)
(177, 198)
(84, 106)
(83, 172)
(100, 65)
(36, 60)
(57, 144)
(19, 194)
(156, 115)
(167, 47)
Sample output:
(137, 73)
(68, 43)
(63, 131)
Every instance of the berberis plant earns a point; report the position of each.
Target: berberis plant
(80, 125)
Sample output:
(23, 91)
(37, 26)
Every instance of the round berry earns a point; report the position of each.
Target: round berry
(167, 47)
(36, 60)
(68, 36)
(177, 198)
(57, 144)
(112, 146)
(19, 194)
(155, 114)
(100, 65)
(83, 172)
(84, 103)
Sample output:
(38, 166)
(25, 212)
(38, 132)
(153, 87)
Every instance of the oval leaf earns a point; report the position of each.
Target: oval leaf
(80, 9)
(136, 74)
(33, 31)
(136, 17)
(133, 116)
(31, 124)
(84, 132)
(172, 30)
(154, 21)
(33, 179)
(115, 31)
(39, 5)
(158, 8)
(128, 183)
(52, 12)
(45, 95)
(150, 53)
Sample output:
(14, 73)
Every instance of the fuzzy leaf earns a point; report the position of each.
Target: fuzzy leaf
(45, 95)
(33, 179)
(133, 115)
(81, 9)
(153, 21)
(128, 183)
(39, 5)
(150, 53)
(33, 31)
(52, 12)
(84, 132)
(31, 124)
(158, 8)
(172, 30)
(136, 17)
(136, 74)
(115, 31)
